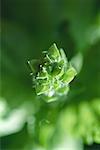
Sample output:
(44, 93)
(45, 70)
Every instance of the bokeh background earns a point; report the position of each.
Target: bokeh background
(28, 28)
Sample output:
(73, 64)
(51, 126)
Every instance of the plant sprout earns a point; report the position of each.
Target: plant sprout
(52, 76)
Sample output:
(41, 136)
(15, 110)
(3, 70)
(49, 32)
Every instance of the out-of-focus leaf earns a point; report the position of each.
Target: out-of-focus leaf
(82, 121)
(77, 62)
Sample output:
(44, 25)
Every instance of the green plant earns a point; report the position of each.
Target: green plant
(53, 74)
(51, 77)
(27, 122)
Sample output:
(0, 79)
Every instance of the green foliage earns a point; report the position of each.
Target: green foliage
(82, 121)
(27, 122)
(53, 74)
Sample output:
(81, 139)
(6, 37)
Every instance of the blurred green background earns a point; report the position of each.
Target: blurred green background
(28, 28)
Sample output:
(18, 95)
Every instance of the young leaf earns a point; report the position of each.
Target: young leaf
(53, 76)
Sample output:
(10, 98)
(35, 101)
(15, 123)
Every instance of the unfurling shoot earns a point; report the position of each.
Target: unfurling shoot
(52, 76)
